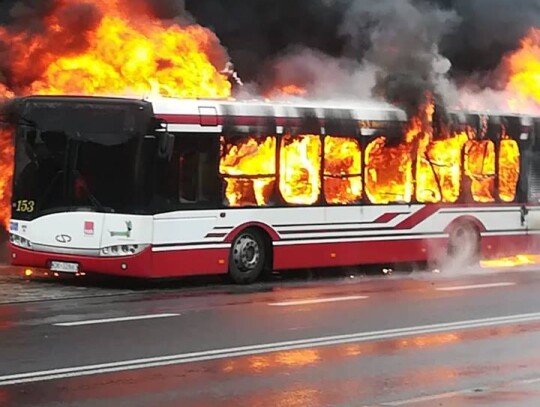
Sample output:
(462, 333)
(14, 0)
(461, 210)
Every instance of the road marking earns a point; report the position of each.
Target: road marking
(251, 350)
(425, 399)
(476, 286)
(317, 301)
(111, 320)
(502, 386)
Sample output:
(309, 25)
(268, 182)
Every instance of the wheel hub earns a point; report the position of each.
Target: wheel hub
(246, 253)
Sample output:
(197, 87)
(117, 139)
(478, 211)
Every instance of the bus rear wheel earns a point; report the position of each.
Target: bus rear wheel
(247, 258)
(464, 246)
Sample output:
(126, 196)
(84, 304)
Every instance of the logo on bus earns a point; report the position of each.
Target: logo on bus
(63, 238)
(126, 233)
(89, 228)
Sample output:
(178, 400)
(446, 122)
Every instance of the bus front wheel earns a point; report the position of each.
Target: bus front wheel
(247, 258)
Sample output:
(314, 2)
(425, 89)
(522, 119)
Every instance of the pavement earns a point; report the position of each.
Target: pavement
(402, 340)
(14, 288)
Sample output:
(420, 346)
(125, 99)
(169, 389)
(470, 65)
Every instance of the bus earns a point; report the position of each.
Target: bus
(162, 188)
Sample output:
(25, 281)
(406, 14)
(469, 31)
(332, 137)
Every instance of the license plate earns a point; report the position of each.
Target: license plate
(63, 267)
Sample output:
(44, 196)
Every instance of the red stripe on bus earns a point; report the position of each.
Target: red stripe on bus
(387, 217)
(418, 217)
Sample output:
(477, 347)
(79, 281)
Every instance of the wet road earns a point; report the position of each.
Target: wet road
(422, 340)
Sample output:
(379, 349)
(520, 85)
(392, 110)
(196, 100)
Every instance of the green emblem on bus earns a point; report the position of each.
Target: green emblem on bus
(127, 233)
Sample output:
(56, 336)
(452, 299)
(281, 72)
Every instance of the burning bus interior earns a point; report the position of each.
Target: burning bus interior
(458, 158)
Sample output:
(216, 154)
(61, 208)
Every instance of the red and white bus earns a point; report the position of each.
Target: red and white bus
(168, 188)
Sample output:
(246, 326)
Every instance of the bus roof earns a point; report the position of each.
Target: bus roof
(362, 110)
(356, 110)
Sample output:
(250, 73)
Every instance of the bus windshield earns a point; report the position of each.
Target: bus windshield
(78, 155)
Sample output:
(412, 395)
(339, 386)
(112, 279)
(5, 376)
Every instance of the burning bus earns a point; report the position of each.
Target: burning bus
(164, 187)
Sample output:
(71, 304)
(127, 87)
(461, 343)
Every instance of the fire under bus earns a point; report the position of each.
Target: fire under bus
(168, 188)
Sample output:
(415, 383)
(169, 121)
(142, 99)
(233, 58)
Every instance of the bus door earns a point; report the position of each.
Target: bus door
(189, 190)
(529, 187)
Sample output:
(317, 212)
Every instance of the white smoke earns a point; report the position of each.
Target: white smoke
(323, 76)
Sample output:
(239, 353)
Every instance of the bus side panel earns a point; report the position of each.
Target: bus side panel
(317, 255)
(193, 262)
(356, 253)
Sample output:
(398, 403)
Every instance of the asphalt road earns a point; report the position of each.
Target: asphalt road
(420, 340)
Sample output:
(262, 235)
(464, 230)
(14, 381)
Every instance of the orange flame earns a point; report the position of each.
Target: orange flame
(6, 174)
(389, 175)
(129, 51)
(480, 168)
(300, 166)
(524, 67)
(126, 51)
(342, 170)
(439, 170)
(509, 170)
(515, 261)
(439, 166)
(249, 168)
(286, 90)
(456, 164)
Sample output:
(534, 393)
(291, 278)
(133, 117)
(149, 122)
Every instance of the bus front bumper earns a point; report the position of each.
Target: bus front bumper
(139, 265)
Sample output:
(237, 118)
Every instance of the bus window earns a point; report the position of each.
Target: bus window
(198, 183)
(509, 165)
(438, 170)
(480, 169)
(300, 167)
(388, 172)
(342, 170)
(509, 169)
(248, 165)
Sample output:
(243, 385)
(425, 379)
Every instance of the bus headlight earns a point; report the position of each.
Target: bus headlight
(20, 241)
(123, 250)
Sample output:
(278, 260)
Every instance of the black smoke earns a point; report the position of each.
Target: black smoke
(414, 43)
(265, 29)
(411, 43)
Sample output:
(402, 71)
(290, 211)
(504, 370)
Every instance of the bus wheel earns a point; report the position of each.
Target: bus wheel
(247, 257)
(464, 245)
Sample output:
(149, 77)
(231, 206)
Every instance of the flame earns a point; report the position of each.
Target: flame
(122, 49)
(443, 168)
(480, 169)
(524, 67)
(251, 167)
(6, 175)
(515, 261)
(342, 170)
(300, 167)
(129, 51)
(289, 90)
(439, 170)
(389, 175)
(509, 157)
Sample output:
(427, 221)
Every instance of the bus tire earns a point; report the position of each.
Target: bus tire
(464, 245)
(247, 259)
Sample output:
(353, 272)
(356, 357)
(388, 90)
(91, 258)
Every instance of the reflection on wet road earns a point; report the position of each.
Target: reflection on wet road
(404, 341)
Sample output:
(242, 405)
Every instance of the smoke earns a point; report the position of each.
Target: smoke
(322, 76)
(167, 9)
(416, 45)
(398, 49)
(403, 45)
(487, 31)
